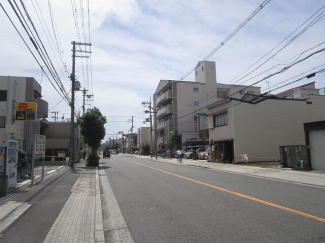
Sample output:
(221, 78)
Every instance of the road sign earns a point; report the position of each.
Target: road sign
(40, 142)
(26, 111)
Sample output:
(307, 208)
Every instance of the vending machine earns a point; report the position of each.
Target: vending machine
(9, 161)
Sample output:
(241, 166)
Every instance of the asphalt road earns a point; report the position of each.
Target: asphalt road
(164, 202)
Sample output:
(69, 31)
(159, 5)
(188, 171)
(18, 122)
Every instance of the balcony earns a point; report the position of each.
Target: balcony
(164, 97)
(160, 139)
(165, 110)
(164, 124)
(42, 108)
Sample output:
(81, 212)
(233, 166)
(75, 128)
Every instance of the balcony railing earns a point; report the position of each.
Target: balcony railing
(160, 139)
(42, 108)
(163, 125)
(165, 110)
(165, 96)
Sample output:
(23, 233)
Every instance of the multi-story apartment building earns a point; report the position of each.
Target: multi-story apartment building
(180, 106)
(20, 89)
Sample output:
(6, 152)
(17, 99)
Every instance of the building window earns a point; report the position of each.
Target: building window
(250, 91)
(2, 121)
(222, 94)
(195, 90)
(221, 120)
(196, 103)
(242, 92)
(3, 95)
(202, 68)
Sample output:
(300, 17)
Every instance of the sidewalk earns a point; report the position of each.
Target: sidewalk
(286, 174)
(78, 219)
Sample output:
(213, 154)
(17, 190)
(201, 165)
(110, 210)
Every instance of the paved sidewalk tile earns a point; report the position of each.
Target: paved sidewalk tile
(311, 178)
(76, 221)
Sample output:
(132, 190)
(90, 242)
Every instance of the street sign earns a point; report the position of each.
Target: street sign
(40, 142)
(26, 111)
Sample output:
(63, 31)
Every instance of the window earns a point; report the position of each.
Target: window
(241, 92)
(196, 103)
(202, 68)
(3, 95)
(195, 72)
(2, 121)
(222, 94)
(195, 90)
(250, 91)
(221, 120)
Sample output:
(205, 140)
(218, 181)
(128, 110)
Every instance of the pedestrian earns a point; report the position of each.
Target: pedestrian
(84, 154)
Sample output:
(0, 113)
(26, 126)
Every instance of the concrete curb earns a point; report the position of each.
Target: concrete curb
(99, 228)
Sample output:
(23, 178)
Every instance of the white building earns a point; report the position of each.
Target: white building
(20, 89)
(180, 105)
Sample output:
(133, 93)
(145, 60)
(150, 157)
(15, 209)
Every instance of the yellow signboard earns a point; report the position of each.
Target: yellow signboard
(26, 106)
(26, 111)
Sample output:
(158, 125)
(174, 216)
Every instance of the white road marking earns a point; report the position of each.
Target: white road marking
(51, 171)
(60, 167)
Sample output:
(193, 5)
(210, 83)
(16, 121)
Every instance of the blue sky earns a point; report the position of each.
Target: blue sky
(137, 43)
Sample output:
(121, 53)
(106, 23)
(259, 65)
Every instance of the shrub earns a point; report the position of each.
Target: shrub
(93, 160)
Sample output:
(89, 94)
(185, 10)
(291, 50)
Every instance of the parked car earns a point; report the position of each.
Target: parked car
(207, 156)
(202, 154)
(192, 151)
(113, 151)
(24, 164)
(106, 153)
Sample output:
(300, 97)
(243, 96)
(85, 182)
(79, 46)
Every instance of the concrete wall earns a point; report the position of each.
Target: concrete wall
(223, 132)
(260, 129)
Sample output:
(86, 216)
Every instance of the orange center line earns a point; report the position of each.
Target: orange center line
(234, 193)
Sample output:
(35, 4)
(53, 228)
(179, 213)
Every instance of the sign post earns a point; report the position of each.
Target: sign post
(39, 150)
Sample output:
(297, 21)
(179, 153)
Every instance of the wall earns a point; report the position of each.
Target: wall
(223, 132)
(16, 90)
(187, 126)
(260, 129)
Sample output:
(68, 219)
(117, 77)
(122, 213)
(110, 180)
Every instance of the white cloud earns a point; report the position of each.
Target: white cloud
(137, 43)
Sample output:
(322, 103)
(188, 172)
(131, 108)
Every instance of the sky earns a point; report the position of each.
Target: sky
(135, 44)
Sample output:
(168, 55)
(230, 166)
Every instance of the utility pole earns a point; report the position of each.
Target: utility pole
(83, 100)
(55, 115)
(131, 135)
(73, 80)
(150, 117)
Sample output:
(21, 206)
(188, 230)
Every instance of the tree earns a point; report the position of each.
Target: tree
(174, 141)
(145, 149)
(93, 131)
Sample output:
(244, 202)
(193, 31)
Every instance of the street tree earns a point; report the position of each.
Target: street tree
(93, 131)
(175, 141)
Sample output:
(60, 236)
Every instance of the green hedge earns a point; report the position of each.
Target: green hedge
(93, 160)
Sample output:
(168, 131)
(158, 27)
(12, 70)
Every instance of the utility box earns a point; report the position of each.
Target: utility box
(294, 156)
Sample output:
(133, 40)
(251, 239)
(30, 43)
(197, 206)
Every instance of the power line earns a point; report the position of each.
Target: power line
(271, 75)
(260, 7)
(33, 54)
(309, 25)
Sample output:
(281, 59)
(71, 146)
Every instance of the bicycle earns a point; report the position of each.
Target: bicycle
(179, 158)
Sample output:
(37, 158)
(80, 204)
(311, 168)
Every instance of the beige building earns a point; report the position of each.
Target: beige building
(299, 92)
(180, 105)
(144, 138)
(20, 89)
(257, 125)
